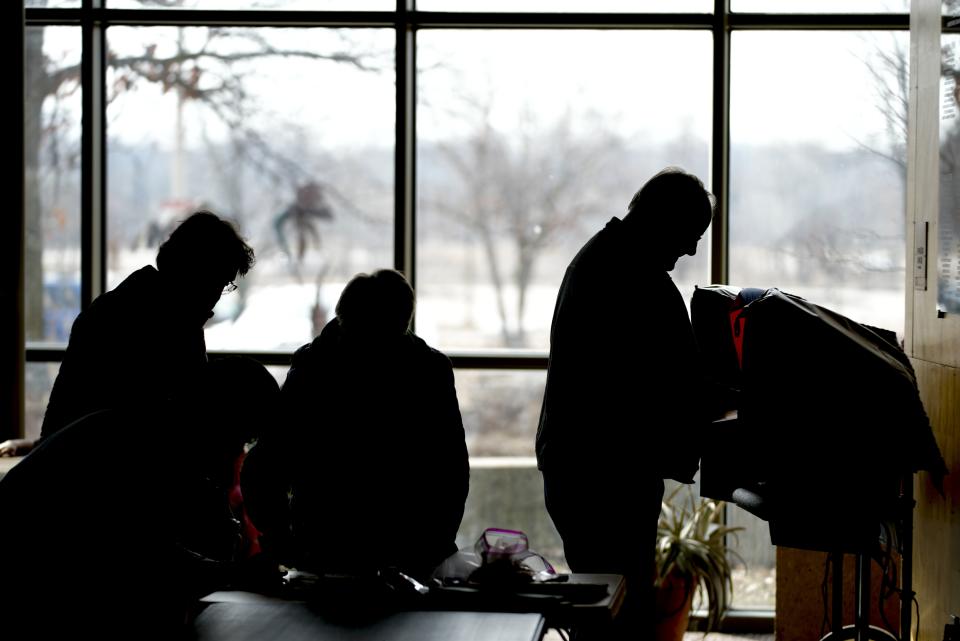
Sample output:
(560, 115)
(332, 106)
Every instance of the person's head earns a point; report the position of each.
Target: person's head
(376, 305)
(201, 259)
(673, 210)
(233, 401)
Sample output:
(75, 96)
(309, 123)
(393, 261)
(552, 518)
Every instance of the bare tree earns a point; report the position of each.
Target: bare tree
(43, 80)
(890, 72)
(846, 233)
(518, 192)
(207, 71)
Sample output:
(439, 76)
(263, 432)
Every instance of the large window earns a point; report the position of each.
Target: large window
(289, 132)
(52, 108)
(474, 151)
(524, 151)
(818, 168)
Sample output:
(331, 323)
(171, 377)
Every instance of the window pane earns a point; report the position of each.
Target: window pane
(279, 5)
(821, 6)
(51, 4)
(38, 378)
(754, 559)
(565, 6)
(525, 151)
(754, 579)
(818, 169)
(500, 412)
(279, 372)
(297, 148)
(52, 181)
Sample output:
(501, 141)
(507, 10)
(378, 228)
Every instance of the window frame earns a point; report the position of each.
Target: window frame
(93, 19)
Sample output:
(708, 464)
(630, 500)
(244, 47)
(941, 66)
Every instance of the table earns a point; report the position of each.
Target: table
(582, 602)
(297, 621)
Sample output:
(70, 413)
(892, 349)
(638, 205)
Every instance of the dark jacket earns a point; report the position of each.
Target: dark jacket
(624, 386)
(373, 447)
(111, 541)
(128, 350)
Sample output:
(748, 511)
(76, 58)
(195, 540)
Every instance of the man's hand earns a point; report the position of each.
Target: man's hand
(16, 447)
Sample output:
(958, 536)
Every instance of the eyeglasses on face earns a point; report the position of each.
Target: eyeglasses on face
(229, 287)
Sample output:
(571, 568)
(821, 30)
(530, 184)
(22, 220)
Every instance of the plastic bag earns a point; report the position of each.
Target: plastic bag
(498, 557)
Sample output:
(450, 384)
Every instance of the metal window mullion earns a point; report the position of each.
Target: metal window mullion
(211, 18)
(504, 360)
(12, 240)
(555, 20)
(720, 149)
(816, 22)
(92, 159)
(720, 154)
(405, 183)
(478, 20)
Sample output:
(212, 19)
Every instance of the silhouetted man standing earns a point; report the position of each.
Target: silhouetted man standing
(142, 342)
(624, 391)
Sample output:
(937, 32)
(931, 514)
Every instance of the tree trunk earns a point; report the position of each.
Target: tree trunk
(36, 82)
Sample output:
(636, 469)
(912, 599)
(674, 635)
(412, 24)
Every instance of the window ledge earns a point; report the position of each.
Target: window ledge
(7, 463)
(746, 621)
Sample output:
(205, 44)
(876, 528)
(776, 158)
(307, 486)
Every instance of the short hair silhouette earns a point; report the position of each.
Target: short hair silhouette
(205, 241)
(669, 188)
(380, 303)
(241, 394)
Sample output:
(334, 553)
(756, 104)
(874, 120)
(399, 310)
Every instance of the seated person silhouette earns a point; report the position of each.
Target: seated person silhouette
(142, 342)
(121, 545)
(372, 451)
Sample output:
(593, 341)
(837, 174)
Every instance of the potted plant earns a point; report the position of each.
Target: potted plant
(692, 557)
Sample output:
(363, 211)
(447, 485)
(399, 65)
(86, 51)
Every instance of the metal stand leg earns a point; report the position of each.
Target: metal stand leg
(861, 630)
(837, 616)
(862, 621)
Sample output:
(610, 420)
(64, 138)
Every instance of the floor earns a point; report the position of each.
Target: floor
(553, 635)
(716, 636)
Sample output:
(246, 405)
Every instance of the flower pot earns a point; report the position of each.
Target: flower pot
(674, 599)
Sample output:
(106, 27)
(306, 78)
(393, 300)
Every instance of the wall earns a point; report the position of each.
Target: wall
(932, 340)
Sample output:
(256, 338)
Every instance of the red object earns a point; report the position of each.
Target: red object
(251, 535)
(737, 325)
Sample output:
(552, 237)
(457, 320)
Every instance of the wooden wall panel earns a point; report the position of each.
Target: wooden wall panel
(932, 342)
(937, 517)
(929, 336)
